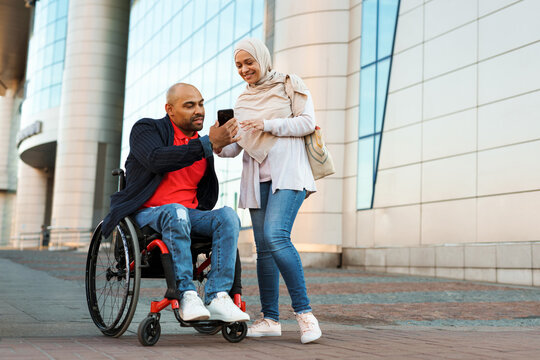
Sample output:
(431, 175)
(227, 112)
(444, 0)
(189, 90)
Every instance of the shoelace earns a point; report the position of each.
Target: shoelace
(259, 323)
(306, 324)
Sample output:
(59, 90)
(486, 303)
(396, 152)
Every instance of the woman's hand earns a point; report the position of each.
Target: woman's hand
(252, 125)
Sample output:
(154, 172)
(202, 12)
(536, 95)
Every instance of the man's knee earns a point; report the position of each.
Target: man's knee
(229, 218)
(175, 215)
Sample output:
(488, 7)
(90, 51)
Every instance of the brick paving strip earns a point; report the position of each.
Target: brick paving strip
(43, 315)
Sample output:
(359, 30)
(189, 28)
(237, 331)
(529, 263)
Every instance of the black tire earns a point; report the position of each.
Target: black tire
(207, 329)
(234, 332)
(112, 287)
(149, 331)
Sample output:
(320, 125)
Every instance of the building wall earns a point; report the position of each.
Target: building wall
(9, 122)
(458, 180)
(90, 121)
(319, 54)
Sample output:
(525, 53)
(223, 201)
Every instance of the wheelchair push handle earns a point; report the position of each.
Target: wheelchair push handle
(122, 178)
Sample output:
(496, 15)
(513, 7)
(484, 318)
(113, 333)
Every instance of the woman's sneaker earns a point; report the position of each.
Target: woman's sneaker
(264, 327)
(309, 327)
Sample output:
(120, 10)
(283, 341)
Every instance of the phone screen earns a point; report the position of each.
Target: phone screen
(224, 116)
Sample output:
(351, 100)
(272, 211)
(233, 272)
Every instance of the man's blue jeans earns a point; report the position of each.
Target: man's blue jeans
(176, 222)
(272, 225)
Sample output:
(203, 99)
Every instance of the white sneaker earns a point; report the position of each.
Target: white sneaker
(223, 308)
(309, 327)
(264, 327)
(192, 307)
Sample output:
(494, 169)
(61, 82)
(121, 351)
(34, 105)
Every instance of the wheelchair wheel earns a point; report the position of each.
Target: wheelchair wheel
(149, 331)
(113, 278)
(234, 332)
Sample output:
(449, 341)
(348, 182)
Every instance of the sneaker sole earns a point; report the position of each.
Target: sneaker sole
(262, 335)
(311, 339)
(199, 317)
(229, 319)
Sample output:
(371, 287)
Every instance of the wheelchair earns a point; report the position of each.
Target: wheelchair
(116, 264)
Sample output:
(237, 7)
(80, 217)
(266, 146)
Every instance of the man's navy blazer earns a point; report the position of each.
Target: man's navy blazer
(152, 154)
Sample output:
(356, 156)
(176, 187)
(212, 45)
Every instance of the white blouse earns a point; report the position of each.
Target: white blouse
(287, 159)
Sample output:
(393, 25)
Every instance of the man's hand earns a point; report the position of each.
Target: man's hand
(221, 136)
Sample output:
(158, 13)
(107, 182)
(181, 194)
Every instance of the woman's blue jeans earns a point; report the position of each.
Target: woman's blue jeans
(272, 225)
(175, 223)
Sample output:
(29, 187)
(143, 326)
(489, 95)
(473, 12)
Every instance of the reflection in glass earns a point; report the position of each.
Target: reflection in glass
(369, 32)
(378, 30)
(367, 101)
(365, 173)
(383, 74)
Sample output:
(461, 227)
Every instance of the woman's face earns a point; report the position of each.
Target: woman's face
(248, 68)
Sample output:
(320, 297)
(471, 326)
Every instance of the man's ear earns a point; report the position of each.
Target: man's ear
(168, 109)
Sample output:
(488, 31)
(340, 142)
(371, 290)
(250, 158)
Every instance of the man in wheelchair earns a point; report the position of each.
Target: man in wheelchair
(171, 186)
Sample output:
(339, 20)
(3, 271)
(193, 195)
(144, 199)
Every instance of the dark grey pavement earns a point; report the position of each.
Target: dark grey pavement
(43, 315)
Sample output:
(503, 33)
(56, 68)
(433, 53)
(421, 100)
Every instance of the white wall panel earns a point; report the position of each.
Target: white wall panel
(449, 222)
(401, 146)
(443, 15)
(449, 178)
(509, 169)
(450, 51)
(397, 226)
(410, 30)
(398, 186)
(488, 6)
(406, 69)
(512, 217)
(403, 107)
(509, 121)
(450, 93)
(449, 135)
(510, 74)
(510, 28)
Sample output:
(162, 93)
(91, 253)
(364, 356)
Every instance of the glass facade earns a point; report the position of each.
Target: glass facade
(379, 19)
(46, 55)
(189, 41)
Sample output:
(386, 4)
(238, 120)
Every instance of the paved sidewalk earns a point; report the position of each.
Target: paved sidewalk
(43, 315)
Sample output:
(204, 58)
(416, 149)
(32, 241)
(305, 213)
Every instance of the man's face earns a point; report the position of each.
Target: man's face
(187, 110)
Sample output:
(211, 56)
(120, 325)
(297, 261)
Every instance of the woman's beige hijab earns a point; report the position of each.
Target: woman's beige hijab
(275, 95)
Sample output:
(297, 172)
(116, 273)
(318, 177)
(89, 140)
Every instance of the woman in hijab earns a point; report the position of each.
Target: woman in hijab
(275, 112)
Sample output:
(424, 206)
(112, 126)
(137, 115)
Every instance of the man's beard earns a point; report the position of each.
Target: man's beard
(197, 127)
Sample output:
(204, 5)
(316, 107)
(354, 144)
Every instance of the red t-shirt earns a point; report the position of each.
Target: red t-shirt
(179, 186)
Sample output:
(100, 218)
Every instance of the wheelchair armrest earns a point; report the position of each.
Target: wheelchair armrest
(122, 178)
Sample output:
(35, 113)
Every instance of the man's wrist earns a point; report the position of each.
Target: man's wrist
(207, 146)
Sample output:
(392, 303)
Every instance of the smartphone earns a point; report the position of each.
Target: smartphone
(224, 116)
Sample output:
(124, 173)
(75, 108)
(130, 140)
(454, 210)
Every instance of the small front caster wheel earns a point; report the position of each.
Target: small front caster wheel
(149, 331)
(234, 332)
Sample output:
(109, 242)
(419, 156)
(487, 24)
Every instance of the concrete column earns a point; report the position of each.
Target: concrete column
(30, 202)
(7, 103)
(91, 112)
(318, 52)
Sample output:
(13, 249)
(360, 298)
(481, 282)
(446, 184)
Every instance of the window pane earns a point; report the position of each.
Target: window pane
(387, 23)
(369, 31)
(366, 124)
(243, 18)
(211, 40)
(226, 26)
(258, 12)
(383, 71)
(365, 173)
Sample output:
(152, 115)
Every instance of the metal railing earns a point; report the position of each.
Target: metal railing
(68, 237)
